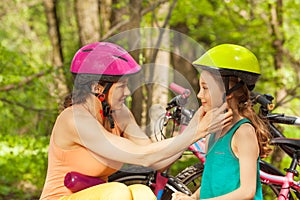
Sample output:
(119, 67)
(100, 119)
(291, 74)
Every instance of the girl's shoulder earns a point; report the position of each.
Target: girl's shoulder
(246, 128)
(245, 132)
(245, 140)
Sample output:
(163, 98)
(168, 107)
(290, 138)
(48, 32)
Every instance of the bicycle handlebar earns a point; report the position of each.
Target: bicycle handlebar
(263, 99)
(284, 119)
(180, 90)
(181, 99)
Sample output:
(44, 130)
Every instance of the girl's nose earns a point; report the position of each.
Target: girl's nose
(200, 94)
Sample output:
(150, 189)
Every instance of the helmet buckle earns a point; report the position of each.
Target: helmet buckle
(101, 97)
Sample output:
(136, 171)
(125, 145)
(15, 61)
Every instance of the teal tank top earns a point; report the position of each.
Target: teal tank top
(221, 173)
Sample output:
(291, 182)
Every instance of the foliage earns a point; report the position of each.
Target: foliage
(29, 107)
(23, 159)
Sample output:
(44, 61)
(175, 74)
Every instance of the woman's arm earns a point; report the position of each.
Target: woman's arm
(126, 122)
(111, 147)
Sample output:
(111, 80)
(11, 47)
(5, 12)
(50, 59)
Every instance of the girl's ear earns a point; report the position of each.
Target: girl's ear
(96, 88)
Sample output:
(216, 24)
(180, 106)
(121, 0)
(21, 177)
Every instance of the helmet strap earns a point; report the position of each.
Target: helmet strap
(229, 91)
(226, 84)
(105, 106)
(234, 88)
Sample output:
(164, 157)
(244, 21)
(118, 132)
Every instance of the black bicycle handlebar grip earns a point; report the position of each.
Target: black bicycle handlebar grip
(261, 99)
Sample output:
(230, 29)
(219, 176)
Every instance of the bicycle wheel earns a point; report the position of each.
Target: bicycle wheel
(146, 176)
(191, 176)
(271, 191)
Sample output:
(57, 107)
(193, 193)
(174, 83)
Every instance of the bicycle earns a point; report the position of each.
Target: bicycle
(282, 185)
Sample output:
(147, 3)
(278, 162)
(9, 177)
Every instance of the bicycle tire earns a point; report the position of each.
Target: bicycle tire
(191, 176)
(141, 175)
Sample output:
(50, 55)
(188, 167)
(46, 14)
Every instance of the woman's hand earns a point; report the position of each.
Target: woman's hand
(214, 120)
(181, 196)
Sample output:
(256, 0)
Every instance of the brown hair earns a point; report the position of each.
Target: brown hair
(245, 109)
(82, 88)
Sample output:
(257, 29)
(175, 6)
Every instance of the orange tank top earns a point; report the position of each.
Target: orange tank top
(61, 161)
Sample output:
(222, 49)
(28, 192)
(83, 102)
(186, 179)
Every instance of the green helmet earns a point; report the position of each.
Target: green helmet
(231, 60)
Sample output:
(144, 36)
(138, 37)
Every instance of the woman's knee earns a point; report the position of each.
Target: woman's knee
(141, 192)
(116, 191)
(107, 191)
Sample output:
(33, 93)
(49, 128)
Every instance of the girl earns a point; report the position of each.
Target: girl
(96, 133)
(232, 161)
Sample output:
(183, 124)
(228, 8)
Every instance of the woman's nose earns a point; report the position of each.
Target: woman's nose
(127, 91)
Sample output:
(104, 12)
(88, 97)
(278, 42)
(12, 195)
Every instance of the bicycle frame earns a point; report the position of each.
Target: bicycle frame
(286, 181)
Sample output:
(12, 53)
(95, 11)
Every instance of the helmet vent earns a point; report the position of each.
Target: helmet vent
(87, 50)
(120, 57)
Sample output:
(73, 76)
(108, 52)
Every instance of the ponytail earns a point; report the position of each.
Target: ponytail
(245, 109)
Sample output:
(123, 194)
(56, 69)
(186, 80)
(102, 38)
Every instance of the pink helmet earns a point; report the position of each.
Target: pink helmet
(103, 58)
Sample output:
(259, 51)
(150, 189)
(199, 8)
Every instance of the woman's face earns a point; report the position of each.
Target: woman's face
(211, 91)
(118, 93)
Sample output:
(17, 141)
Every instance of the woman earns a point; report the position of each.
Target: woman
(232, 161)
(96, 133)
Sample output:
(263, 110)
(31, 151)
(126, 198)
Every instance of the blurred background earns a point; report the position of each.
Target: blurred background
(38, 39)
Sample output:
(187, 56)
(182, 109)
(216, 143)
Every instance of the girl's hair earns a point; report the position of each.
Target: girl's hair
(82, 89)
(245, 109)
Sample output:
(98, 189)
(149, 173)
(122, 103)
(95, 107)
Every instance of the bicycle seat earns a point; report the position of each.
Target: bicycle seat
(289, 142)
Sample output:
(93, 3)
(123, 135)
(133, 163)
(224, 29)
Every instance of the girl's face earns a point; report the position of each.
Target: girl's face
(211, 91)
(118, 93)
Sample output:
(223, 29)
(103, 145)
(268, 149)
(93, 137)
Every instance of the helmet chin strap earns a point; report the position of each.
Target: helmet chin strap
(235, 87)
(230, 90)
(105, 106)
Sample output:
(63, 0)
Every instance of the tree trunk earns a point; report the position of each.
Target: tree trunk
(87, 13)
(118, 13)
(57, 57)
(183, 55)
(105, 15)
(278, 41)
(158, 72)
(137, 95)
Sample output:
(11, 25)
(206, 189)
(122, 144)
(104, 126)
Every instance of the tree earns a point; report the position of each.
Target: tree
(87, 13)
(135, 8)
(57, 55)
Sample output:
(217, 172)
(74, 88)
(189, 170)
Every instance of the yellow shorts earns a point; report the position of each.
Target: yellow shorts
(113, 191)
